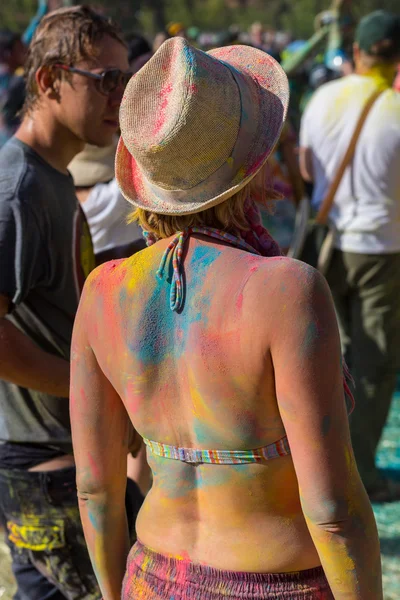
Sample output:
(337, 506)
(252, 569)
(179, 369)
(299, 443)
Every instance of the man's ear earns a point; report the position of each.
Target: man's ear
(47, 82)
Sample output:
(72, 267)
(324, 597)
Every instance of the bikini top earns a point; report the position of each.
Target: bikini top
(220, 457)
(194, 455)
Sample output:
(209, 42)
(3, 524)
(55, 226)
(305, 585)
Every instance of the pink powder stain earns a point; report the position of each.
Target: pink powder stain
(133, 403)
(137, 180)
(166, 90)
(239, 300)
(116, 269)
(183, 557)
(179, 336)
(73, 400)
(192, 88)
(257, 164)
(95, 469)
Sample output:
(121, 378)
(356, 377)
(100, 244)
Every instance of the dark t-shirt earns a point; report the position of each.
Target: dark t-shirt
(45, 255)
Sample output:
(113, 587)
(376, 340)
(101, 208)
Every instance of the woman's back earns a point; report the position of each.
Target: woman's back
(252, 354)
(206, 372)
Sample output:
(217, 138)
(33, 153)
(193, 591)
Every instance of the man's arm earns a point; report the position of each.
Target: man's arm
(22, 362)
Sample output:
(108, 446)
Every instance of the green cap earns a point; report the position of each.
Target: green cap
(378, 34)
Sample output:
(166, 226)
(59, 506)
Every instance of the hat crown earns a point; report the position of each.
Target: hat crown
(180, 116)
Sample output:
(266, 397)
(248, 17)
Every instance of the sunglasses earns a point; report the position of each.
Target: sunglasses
(106, 82)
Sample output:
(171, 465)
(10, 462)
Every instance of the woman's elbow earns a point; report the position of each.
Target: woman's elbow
(99, 489)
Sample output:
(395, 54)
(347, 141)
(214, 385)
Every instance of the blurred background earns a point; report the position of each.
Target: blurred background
(295, 17)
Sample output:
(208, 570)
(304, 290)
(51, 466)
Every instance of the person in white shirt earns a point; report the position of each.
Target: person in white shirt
(364, 272)
(106, 210)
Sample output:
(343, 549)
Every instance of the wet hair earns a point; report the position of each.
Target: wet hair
(67, 36)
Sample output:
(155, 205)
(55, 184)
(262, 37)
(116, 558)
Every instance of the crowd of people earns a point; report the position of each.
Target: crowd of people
(187, 412)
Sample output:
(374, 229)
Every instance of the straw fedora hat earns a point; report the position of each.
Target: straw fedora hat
(196, 126)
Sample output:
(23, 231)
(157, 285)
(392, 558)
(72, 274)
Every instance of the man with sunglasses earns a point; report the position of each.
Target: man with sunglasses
(76, 72)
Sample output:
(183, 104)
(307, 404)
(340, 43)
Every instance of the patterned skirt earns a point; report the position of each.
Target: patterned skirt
(153, 576)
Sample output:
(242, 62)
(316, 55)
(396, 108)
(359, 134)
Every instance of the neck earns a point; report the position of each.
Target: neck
(382, 73)
(56, 144)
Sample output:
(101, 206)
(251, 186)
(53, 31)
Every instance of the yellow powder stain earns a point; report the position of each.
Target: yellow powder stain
(145, 563)
(200, 408)
(241, 173)
(198, 404)
(35, 536)
(230, 161)
(139, 268)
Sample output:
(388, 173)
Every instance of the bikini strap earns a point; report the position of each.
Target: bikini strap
(220, 457)
(176, 247)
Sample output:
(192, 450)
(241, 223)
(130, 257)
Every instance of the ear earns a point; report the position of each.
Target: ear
(46, 79)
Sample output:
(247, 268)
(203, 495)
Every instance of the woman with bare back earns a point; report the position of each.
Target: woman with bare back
(222, 354)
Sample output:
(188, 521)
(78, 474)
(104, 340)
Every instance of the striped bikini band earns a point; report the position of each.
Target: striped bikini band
(220, 457)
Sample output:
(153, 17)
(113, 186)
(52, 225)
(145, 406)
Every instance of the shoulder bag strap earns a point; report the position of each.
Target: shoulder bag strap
(323, 213)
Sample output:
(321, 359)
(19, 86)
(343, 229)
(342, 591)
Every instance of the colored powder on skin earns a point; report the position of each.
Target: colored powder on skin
(156, 342)
(311, 335)
(159, 326)
(176, 482)
(93, 520)
(198, 303)
(93, 466)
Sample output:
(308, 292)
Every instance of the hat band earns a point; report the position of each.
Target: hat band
(235, 168)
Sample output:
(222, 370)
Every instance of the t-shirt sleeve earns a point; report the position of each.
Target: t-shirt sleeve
(22, 259)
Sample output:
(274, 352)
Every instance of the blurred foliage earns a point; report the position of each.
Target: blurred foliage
(296, 16)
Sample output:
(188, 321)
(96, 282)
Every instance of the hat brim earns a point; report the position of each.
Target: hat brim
(274, 99)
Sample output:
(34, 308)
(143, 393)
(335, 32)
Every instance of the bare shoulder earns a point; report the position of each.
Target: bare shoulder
(105, 276)
(287, 279)
(291, 300)
(99, 291)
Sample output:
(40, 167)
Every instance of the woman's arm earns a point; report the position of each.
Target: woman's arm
(306, 355)
(100, 435)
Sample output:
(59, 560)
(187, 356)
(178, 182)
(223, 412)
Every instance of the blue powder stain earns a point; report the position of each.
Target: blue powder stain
(122, 297)
(160, 324)
(201, 431)
(198, 303)
(189, 55)
(173, 477)
(93, 520)
(310, 337)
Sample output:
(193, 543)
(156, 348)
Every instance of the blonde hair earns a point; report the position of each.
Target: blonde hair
(229, 216)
